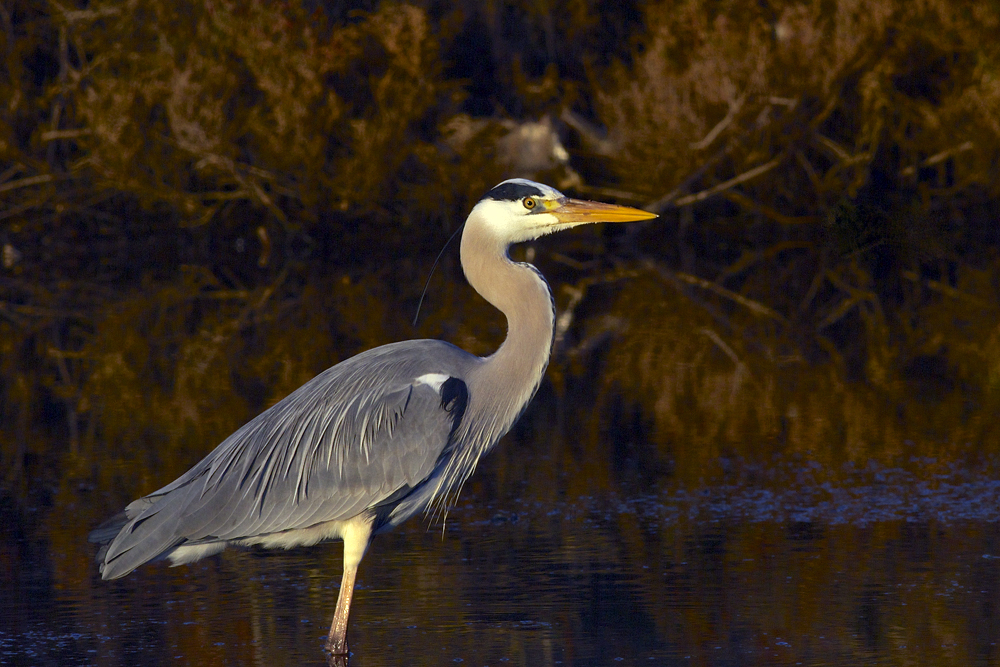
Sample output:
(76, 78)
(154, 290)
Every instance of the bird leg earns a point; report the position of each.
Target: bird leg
(336, 642)
(356, 534)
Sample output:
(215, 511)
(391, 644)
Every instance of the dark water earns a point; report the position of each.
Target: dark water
(884, 569)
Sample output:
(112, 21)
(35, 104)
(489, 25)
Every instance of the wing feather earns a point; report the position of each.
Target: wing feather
(361, 434)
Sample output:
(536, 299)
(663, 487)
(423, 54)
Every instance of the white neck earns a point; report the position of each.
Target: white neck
(509, 377)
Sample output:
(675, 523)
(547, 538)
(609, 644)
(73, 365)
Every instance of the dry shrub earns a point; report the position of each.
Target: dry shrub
(198, 105)
(818, 165)
(823, 162)
(833, 81)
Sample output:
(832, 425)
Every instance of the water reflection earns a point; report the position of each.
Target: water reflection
(722, 576)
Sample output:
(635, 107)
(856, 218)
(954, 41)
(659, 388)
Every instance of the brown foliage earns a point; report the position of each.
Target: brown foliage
(192, 197)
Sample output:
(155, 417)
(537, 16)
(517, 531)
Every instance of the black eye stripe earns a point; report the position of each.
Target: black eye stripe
(513, 192)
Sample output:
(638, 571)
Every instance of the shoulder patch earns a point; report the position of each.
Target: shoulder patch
(432, 380)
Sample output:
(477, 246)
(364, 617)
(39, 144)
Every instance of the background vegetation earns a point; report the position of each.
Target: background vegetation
(203, 204)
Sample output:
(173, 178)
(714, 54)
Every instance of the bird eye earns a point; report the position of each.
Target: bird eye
(530, 203)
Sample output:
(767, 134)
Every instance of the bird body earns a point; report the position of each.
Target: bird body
(363, 436)
(378, 438)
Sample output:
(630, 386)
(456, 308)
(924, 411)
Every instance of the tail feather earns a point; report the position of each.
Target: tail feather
(108, 530)
(144, 532)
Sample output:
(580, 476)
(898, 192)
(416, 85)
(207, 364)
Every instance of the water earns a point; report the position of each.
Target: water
(885, 569)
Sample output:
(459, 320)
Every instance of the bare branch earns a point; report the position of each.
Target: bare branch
(664, 201)
(842, 309)
(13, 169)
(950, 291)
(839, 151)
(26, 182)
(73, 15)
(722, 345)
(749, 258)
(789, 102)
(749, 304)
(939, 157)
(734, 109)
(810, 171)
(53, 135)
(732, 182)
(743, 200)
(856, 296)
(593, 136)
(565, 318)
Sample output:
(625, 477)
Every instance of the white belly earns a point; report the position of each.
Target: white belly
(354, 532)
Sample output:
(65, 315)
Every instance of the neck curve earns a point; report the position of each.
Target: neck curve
(508, 378)
(501, 385)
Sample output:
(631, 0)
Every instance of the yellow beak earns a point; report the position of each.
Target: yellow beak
(579, 211)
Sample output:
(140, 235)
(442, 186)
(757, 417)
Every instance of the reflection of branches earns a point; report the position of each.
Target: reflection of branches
(679, 280)
(71, 390)
(576, 296)
(740, 372)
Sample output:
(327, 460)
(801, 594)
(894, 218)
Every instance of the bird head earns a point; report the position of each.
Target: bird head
(520, 210)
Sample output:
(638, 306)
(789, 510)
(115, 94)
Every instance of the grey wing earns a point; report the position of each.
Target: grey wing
(328, 452)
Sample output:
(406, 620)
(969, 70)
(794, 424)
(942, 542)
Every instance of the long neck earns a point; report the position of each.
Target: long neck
(501, 386)
(507, 379)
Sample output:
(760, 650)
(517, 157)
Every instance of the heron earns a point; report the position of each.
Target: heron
(382, 436)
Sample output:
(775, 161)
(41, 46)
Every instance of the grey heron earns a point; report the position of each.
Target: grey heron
(384, 435)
